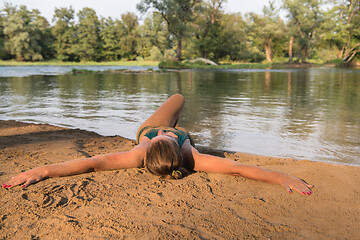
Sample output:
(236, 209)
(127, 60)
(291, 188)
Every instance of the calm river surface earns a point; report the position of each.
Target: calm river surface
(301, 113)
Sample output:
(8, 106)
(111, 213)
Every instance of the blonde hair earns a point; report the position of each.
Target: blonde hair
(164, 158)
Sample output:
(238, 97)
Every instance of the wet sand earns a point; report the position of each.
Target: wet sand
(133, 204)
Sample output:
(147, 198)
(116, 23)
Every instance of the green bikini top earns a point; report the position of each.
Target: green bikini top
(153, 132)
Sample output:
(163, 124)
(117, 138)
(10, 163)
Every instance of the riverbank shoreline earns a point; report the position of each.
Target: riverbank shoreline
(82, 63)
(133, 203)
(180, 65)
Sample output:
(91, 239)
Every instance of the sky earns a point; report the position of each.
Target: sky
(114, 8)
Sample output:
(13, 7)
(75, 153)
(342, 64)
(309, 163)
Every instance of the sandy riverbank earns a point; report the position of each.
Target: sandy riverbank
(132, 204)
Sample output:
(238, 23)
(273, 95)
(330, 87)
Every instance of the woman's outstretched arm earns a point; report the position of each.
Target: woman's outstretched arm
(212, 164)
(129, 159)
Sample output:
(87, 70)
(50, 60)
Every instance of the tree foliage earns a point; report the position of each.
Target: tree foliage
(305, 17)
(2, 39)
(64, 33)
(266, 29)
(87, 46)
(186, 29)
(342, 28)
(23, 31)
(110, 33)
(153, 33)
(128, 42)
(177, 13)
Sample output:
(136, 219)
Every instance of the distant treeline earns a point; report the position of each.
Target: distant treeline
(186, 29)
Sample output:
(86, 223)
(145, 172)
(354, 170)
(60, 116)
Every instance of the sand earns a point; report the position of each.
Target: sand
(133, 204)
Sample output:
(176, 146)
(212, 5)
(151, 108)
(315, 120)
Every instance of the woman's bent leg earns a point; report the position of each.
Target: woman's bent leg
(167, 114)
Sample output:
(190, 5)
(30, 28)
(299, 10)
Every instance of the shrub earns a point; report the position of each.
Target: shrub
(171, 64)
(169, 55)
(155, 54)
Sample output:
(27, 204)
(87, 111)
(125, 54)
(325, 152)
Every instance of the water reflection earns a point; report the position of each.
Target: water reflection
(312, 114)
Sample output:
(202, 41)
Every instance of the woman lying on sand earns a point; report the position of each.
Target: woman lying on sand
(165, 150)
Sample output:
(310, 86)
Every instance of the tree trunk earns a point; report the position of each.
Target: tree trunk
(179, 49)
(203, 54)
(268, 51)
(349, 55)
(298, 53)
(290, 49)
(303, 54)
(340, 53)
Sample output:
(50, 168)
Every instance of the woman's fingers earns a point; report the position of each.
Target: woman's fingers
(26, 178)
(302, 189)
(294, 184)
(29, 182)
(14, 181)
(7, 185)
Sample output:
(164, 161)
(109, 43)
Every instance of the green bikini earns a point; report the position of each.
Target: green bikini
(153, 132)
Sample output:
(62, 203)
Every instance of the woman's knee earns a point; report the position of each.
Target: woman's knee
(179, 98)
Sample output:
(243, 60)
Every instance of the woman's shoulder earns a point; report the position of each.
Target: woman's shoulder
(139, 151)
(142, 132)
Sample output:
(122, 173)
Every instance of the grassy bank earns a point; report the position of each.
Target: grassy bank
(201, 65)
(179, 65)
(90, 63)
(274, 65)
(164, 65)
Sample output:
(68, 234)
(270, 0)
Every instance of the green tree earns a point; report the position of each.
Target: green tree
(305, 16)
(232, 36)
(23, 33)
(160, 35)
(228, 37)
(155, 54)
(153, 33)
(217, 35)
(267, 28)
(342, 28)
(5, 13)
(144, 41)
(205, 27)
(128, 42)
(110, 39)
(46, 39)
(64, 33)
(2, 47)
(177, 14)
(88, 38)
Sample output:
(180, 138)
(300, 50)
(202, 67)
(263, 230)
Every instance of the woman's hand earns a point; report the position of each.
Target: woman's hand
(27, 178)
(292, 183)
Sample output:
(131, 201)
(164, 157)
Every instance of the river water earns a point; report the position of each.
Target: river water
(300, 113)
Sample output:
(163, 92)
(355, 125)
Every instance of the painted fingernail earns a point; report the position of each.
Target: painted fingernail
(308, 193)
(303, 193)
(4, 185)
(289, 191)
(23, 186)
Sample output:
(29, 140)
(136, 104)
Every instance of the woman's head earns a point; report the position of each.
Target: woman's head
(164, 158)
